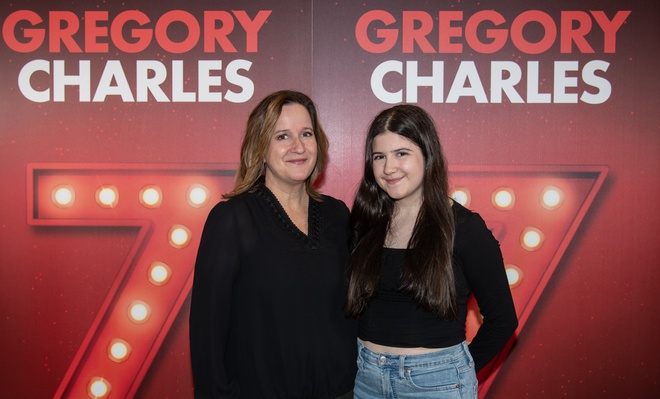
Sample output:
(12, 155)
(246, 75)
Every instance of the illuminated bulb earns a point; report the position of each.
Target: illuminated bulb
(531, 239)
(139, 312)
(118, 350)
(461, 195)
(503, 198)
(552, 198)
(514, 275)
(107, 196)
(98, 388)
(63, 196)
(179, 236)
(198, 195)
(151, 196)
(159, 273)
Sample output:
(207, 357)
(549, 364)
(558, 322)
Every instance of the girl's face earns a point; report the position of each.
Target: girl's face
(291, 155)
(398, 166)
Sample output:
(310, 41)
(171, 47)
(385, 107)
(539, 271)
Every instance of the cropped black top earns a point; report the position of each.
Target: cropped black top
(394, 318)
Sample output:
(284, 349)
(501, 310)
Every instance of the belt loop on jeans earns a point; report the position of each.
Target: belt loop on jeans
(402, 366)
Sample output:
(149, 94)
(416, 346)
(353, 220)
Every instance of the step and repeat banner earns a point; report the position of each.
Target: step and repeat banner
(121, 124)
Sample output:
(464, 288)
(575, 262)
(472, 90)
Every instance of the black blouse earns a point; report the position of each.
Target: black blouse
(393, 318)
(267, 316)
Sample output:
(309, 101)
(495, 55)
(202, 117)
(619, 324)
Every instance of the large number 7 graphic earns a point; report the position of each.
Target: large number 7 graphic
(533, 211)
(168, 204)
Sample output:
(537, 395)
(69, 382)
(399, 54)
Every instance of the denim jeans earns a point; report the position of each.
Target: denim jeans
(444, 374)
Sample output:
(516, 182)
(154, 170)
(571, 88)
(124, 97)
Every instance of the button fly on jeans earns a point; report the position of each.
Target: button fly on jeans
(382, 359)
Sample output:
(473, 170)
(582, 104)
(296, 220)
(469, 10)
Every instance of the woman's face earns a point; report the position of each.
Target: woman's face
(398, 166)
(291, 155)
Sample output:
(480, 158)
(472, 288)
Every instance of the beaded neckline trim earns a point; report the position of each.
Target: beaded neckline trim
(313, 238)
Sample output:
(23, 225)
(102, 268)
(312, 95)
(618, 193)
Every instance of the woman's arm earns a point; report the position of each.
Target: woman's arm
(215, 270)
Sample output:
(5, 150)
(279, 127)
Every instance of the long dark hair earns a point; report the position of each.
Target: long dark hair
(260, 125)
(428, 273)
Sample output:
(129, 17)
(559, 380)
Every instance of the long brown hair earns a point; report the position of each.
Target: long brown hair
(428, 273)
(260, 125)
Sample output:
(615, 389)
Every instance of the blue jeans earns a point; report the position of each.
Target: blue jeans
(445, 374)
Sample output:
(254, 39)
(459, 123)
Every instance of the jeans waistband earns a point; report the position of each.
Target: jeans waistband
(384, 359)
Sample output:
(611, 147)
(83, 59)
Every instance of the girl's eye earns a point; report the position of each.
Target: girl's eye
(377, 157)
(401, 154)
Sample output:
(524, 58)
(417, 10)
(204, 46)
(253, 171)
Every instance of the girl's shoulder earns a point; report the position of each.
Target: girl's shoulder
(467, 221)
(462, 214)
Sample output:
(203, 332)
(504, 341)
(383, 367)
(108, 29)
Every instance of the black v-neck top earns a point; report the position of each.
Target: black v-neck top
(313, 237)
(267, 302)
(394, 318)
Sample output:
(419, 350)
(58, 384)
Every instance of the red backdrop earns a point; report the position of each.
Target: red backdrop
(525, 94)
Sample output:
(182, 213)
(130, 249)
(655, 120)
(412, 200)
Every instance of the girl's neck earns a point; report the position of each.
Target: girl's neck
(402, 225)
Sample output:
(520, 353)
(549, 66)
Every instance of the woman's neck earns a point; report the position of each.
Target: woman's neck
(295, 202)
(294, 196)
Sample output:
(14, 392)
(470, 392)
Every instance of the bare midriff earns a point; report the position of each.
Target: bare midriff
(398, 351)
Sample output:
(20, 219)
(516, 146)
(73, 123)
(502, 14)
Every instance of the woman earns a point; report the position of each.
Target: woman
(417, 257)
(269, 288)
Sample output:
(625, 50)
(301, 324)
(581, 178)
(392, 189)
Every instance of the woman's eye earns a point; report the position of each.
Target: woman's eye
(401, 154)
(308, 134)
(281, 137)
(377, 157)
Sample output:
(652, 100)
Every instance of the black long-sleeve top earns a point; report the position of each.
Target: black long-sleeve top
(393, 318)
(266, 317)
